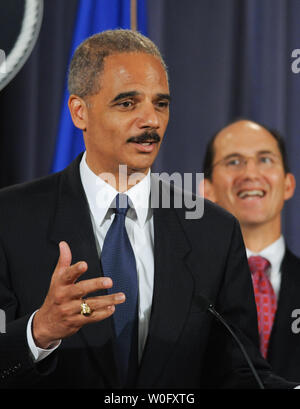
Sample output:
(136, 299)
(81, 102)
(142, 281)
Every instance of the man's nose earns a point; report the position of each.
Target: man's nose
(148, 117)
(251, 167)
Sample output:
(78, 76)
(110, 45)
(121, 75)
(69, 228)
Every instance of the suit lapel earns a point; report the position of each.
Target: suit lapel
(173, 289)
(72, 223)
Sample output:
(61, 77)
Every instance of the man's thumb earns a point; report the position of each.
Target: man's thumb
(65, 255)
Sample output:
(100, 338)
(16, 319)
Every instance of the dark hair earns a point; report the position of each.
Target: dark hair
(210, 150)
(88, 59)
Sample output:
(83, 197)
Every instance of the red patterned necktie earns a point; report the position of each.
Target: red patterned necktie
(265, 299)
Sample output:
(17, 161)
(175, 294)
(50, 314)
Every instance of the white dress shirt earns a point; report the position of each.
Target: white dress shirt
(140, 230)
(274, 253)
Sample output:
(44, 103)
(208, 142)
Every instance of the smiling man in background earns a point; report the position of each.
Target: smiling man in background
(247, 173)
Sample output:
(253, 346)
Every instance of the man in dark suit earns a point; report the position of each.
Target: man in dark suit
(63, 308)
(247, 173)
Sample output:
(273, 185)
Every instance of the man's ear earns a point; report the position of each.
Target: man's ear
(289, 186)
(206, 189)
(78, 111)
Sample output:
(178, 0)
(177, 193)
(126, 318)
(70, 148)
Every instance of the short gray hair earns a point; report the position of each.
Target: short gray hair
(88, 59)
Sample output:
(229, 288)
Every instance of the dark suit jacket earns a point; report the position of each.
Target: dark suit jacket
(186, 346)
(284, 347)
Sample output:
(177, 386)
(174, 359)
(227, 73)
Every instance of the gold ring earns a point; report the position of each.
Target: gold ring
(85, 309)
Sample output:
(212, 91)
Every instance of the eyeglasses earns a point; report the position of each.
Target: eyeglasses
(237, 163)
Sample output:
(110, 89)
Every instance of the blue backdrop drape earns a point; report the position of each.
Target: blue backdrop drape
(226, 59)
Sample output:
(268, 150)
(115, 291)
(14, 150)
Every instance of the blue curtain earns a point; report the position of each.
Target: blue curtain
(93, 17)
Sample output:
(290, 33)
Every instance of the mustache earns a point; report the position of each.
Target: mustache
(145, 137)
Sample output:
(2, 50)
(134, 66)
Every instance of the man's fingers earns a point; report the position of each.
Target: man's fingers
(102, 304)
(67, 273)
(72, 273)
(84, 287)
(98, 303)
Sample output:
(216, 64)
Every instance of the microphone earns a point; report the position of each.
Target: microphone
(208, 306)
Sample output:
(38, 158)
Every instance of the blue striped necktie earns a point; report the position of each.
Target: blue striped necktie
(118, 262)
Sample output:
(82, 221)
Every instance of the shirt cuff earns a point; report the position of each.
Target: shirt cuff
(37, 353)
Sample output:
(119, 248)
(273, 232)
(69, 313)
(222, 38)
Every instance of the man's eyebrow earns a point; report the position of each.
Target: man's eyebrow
(231, 155)
(164, 96)
(235, 154)
(124, 95)
(129, 94)
(266, 152)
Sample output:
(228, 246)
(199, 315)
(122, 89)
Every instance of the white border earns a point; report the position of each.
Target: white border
(32, 19)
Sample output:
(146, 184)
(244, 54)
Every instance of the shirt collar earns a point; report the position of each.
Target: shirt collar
(274, 253)
(100, 195)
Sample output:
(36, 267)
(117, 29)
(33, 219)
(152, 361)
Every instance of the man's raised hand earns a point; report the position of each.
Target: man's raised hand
(59, 316)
